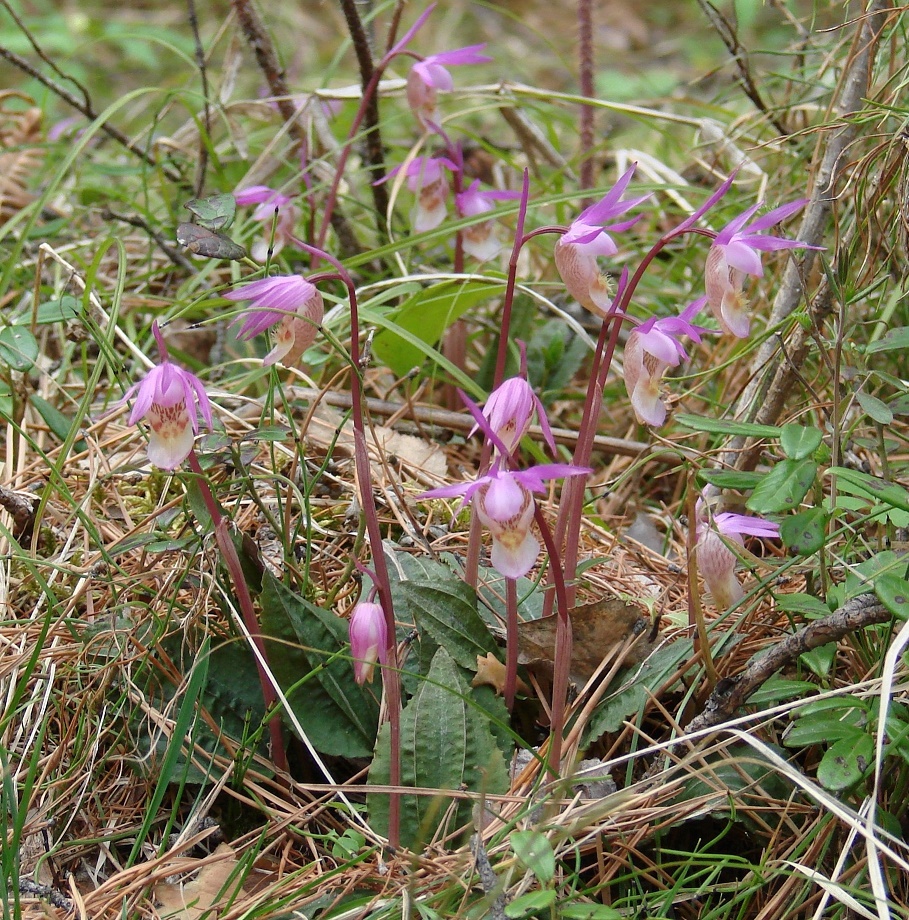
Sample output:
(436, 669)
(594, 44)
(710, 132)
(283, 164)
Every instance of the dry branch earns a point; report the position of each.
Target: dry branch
(733, 692)
(772, 375)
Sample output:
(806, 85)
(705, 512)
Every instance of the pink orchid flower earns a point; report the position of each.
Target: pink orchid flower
(170, 399)
(430, 75)
(426, 178)
(368, 640)
(510, 407)
(479, 239)
(289, 303)
(735, 253)
(716, 561)
(587, 238)
(504, 501)
(505, 504)
(652, 347)
(268, 201)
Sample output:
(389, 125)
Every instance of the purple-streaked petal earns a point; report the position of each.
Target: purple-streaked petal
(743, 257)
(433, 74)
(504, 498)
(729, 524)
(736, 225)
(535, 477)
(602, 209)
(773, 217)
(706, 206)
(255, 194)
(663, 347)
(470, 54)
(409, 34)
(459, 489)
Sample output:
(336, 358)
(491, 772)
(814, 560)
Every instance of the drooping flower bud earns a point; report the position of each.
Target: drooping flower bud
(368, 640)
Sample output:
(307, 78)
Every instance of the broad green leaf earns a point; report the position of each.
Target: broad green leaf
(535, 851)
(728, 426)
(783, 488)
(215, 212)
(779, 689)
(530, 903)
(731, 479)
(590, 912)
(874, 408)
(806, 532)
(58, 311)
(447, 610)
(825, 725)
(18, 348)
(894, 340)
(445, 744)
(846, 761)
(799, 441)
(864, 484)
(820, 660)
(805, 604)
(339, 716)
(731, 777)
(427, 315)
(641, 686)
(58, 423)
(893, 593)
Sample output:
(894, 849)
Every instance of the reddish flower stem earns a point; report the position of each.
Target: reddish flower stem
(511, 642)
(390, 672)
(247, 609)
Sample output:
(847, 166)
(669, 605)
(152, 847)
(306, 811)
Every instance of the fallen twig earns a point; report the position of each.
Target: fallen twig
(733, 692)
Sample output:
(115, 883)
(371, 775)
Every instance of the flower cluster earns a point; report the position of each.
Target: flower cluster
(503, 498)
(654, 346)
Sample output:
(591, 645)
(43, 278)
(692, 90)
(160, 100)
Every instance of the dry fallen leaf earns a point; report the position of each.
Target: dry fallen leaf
(190, 900)
(491, 673)
(406, 455)
(597, 631)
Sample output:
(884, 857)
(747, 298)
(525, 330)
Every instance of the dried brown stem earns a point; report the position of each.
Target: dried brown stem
(259, 40)
(732, 693)
(375, 154)
(773, 377)
(730, 39)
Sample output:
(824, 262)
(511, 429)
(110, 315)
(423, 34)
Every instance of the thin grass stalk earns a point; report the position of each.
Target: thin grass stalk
(232, 561)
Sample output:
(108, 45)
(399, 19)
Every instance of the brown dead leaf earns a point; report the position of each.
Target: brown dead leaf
(20, 154)
(597, 631)
(491, 673)
(206, 892)
(405, 455)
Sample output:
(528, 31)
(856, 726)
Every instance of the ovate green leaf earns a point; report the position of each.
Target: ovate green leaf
(783, 488)
(846, 761)
(445, 744)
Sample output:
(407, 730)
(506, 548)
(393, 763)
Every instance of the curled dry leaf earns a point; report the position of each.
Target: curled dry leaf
(491, 673)
(203, 895)
(597, 631)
